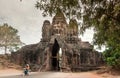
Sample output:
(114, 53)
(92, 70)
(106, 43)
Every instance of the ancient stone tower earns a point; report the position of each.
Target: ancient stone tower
(60, 49)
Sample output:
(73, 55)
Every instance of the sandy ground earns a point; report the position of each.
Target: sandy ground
(52, 75)
(13, 72)
(106, 75)
(9, 72)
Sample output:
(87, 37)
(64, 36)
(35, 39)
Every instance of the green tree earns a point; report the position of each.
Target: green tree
(9, 37)
(102, 15)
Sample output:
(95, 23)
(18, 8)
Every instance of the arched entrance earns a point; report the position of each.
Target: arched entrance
(55, 60)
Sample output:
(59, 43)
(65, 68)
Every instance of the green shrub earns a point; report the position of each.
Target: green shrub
(112, 57)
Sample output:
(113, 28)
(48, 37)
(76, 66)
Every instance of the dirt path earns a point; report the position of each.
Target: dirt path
(12, 73)
(9, 72)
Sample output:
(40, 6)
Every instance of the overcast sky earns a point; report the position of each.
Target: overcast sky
(24, 17)
(27, 19)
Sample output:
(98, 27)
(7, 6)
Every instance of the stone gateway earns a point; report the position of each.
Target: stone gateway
(60, 49)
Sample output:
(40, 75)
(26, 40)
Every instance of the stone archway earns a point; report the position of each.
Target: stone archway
(55, 56)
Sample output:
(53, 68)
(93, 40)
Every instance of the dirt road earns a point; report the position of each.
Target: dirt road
(57, 75)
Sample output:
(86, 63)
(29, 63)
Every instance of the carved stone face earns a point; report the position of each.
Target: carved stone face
(45, 29)
(58, 29)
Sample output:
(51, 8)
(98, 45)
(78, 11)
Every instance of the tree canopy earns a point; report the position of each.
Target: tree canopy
(70, 8)
(9, 37)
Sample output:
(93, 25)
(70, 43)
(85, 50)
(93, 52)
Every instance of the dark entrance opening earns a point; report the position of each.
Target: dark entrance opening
(55, 56)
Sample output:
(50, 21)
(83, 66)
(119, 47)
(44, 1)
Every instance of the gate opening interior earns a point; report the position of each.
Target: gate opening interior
(56, 56)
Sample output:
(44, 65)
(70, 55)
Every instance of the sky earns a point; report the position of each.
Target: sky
(28, 20)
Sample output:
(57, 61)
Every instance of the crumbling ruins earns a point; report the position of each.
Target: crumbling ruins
(60, 49)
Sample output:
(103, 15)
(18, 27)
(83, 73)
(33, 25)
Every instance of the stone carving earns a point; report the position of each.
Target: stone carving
(59, 36)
